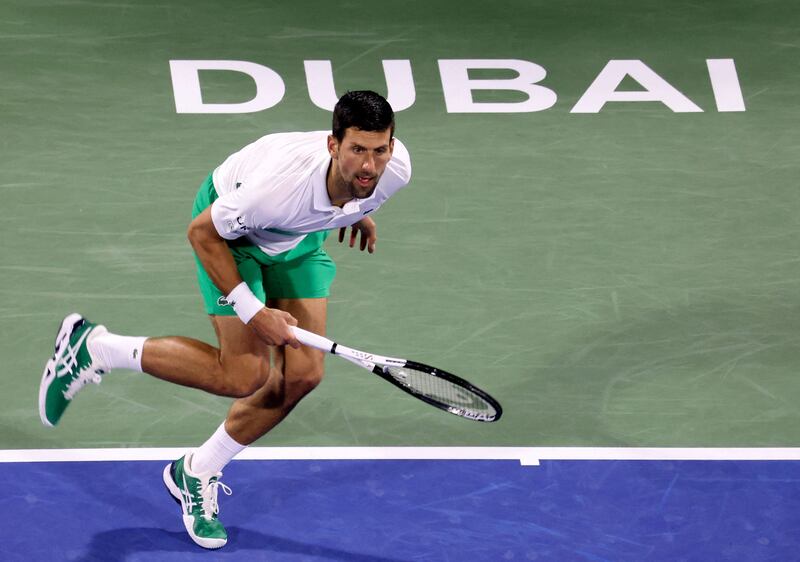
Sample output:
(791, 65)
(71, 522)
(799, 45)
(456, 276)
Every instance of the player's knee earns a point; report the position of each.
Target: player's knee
(301, 381)
(244, 386)
(241, 381)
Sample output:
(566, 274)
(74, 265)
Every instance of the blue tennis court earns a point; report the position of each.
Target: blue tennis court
(393, 510)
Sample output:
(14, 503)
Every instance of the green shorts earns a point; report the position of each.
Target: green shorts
(304, 272)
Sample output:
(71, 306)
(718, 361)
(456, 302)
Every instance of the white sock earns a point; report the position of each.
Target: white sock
(214, 454)
(117, 352)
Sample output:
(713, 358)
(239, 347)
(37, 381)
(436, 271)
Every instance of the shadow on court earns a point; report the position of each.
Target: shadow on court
(119, 545)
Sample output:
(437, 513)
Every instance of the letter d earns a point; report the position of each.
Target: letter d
(189, 97)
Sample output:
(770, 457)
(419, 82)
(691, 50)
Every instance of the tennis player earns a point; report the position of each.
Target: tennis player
(259, 223)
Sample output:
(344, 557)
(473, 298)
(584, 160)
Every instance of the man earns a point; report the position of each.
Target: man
(259, 222)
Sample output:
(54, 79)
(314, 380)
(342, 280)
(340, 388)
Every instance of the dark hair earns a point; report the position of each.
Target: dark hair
(362, 109)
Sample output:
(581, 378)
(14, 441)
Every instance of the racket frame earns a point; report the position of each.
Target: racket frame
(378, 363)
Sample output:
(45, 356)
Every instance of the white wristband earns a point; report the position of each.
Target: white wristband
(244, 302)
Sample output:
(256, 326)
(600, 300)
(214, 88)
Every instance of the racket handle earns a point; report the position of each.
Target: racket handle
(313, 340)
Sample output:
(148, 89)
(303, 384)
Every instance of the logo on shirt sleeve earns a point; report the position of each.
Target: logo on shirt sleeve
(238, 226)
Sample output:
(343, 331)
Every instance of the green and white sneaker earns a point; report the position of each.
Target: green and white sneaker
(70, 368)
(197, 494)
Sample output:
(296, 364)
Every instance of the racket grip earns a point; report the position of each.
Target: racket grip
(313, 340)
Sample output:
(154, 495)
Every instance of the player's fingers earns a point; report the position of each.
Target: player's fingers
(371, 244)
(285, 316)
(364, 238)
(353, 234)
(341, 234)
(289, 338)
(291, 320)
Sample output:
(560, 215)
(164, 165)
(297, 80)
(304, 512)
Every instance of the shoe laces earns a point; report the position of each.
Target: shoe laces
(84, 377)
(209, 493)
(86, 374)
(69, 360)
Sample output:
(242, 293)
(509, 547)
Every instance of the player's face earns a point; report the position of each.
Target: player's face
(361, 158)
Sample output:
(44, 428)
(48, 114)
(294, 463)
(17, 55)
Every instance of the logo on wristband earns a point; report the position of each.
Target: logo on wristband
(222, 301)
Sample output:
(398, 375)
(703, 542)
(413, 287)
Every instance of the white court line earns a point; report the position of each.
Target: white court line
(527, 456)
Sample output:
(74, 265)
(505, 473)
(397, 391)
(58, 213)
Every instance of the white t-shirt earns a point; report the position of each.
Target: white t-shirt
(274, 191)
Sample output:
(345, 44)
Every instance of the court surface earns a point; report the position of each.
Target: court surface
(382, 511)
(625, 278)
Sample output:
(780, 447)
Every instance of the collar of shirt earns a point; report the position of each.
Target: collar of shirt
(322, 201)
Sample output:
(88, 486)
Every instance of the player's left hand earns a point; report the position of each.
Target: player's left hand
(369, 234)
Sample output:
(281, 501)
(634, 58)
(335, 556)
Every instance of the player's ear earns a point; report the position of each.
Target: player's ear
(333, 146)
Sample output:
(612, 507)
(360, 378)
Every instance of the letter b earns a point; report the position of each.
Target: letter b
(458, 86)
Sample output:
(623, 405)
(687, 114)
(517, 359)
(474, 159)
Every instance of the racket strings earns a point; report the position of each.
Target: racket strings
(441, 390)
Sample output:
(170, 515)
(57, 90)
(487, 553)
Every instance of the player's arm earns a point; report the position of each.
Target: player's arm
(270, 324)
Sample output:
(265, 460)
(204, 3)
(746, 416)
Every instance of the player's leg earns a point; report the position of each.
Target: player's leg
(228, 370)
(196, 364)
(302, 287)
(194, 480)
(295, 373)
(85, 351)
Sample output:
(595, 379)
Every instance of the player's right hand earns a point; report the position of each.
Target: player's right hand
(272, 326)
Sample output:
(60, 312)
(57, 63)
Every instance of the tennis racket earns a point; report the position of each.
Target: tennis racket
(434, 386)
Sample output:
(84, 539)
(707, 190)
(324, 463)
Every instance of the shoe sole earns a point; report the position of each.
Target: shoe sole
(49, 374)
(188, 520)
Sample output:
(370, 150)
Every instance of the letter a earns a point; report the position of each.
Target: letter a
(604, 89)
